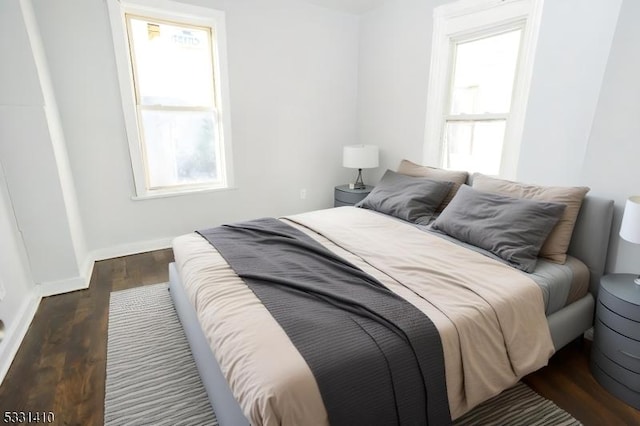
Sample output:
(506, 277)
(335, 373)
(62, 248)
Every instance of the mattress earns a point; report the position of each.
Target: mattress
(263, 368)
(561, 284)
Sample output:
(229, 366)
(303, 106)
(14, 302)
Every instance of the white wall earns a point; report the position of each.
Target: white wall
(33, 156)
(293, 84)
(613, 153)
(571, 57)
(395, 46)
(21, 299)
(41, 237)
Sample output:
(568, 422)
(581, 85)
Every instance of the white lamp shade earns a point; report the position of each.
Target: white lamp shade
(360, 156)
(630, 229)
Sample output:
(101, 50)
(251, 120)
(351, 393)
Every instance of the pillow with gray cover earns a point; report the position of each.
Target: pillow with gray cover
(513, 229)
(413, 199)
(556, 246)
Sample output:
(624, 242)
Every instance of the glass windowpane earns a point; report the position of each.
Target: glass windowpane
(180, 148)
(484, 74)
(173, 63)
(474, 146)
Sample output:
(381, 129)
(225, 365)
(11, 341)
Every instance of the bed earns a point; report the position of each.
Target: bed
(233, 336)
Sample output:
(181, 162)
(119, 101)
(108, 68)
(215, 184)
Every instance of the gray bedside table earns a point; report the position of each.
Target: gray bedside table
(615, 354)
(343, 196)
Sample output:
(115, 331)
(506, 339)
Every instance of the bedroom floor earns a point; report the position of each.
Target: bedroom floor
(60, 366)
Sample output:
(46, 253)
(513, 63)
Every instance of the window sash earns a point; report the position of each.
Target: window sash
(165, 107)
(476, 117)
(461, 118)
(219, 181)
(475, 147)
(480, 36)
(192, 17)
(134, 66)
(467, 20)
(179, 108)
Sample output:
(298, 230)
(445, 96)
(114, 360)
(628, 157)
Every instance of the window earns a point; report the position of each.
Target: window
(172, 71)
(479, 101)
(480, 72)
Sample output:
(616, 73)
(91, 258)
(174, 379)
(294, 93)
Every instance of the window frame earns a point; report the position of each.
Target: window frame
(182, 14)
(466, 20)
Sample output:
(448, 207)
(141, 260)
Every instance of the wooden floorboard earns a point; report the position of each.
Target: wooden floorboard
(568, 382)
(61, 363)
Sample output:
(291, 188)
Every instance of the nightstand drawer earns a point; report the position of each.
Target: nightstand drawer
(338, 203)
(344, 196)
(618, 323)
(615, 353)
(616, 388)
(621, 298)
(620, 374)
(621, 349)
(349, 197)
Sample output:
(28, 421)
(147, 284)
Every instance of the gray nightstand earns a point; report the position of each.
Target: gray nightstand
(615, 354)
(343, 196)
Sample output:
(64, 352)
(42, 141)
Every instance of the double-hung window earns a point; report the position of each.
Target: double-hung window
(172, 70)
(480, 72)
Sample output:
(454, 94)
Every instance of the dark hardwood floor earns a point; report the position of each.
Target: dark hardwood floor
(568, 382)
(60, 366)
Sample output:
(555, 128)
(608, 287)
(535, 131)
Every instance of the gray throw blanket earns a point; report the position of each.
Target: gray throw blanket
(376, 358)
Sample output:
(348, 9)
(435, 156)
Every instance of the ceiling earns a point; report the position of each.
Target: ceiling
(350, 6)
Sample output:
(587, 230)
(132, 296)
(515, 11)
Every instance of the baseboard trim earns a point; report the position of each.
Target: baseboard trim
(16, 333)
(132, 248)
(53, 288)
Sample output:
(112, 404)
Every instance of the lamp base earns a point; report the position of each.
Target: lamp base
(359, 183)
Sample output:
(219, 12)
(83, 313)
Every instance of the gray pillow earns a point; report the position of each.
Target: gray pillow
(513, 229)
(413, 199)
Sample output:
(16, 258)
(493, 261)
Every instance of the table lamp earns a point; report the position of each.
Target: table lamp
(630, 229)
(360, 157)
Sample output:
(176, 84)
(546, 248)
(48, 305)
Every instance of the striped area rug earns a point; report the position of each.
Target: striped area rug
(518, 406)
(152, 378)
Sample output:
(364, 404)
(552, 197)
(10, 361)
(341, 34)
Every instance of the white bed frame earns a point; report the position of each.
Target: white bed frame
(589, 244)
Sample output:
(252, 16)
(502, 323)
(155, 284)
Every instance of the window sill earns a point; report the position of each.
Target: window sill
(179, 193)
